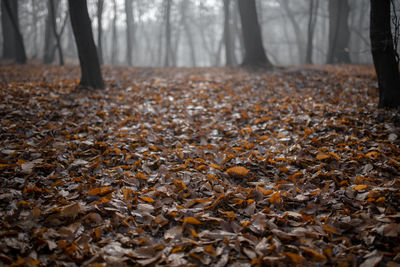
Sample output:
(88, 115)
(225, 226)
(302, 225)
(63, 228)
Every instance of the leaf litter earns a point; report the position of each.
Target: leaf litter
(198, 167)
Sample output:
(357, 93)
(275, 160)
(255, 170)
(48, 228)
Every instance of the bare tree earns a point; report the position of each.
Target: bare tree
(114, 39)
(254, 49)
(89, 61)
(129, 30)
(100, 5)
(167, 32)
(56, 34)
(384, 56)
(228, 36)
(312, 19)
(339, 33)
(13, 43)
(188, 32)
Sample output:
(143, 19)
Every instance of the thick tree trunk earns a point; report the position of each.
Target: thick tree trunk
(230, 59)
(254, 49)
(312, 18)
(339, 33)
(56, 35)
(383, 54)
(129, 30)
(11, 13)
(9, 36)
(82, 28)
(167, 33)
(188, 32)
(100, 5)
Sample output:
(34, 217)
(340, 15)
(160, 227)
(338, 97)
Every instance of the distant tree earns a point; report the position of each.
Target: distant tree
(49, 48)
(114, 35)
(57, 35)
(312, 18)
(254, 49)
(384, 55)
(89, 61)
(100, 5)
(228, 36)
(187, 29)
(129, 30)
(13, 43)
(339, 32)
(168, 47)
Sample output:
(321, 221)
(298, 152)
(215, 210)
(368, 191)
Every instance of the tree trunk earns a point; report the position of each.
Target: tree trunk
(339, 33)
(100, 5)
(254, 49)
(383, 54)
(49, 39)
(10, 14)
(312, 18)
(89, 61)
(114, 35)
(167, 32)
(297, 32)
(56, 35)
(9, 36)
(129, 30)
(230, 59)
(188, 32)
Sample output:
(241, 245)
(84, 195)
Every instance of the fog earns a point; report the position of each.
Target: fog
(197, 32)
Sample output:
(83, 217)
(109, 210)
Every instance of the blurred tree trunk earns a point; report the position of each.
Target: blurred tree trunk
(114, 36)
(230, 58)
(129, 30)
(312, 18)
(56, 35)
(35, 29)
(13, 43)
(188, 32)
(82, 28)
(300, 42)
(167, 33)
(100, 5)
(254, 49)
(49, 38)
(384, 56)
(339, 33)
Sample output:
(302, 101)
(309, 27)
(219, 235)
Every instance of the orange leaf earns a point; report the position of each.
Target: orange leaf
(329, 229)
(237, 171)
(322, 156)
(141, 176)
(360, 187)
(294, 257)
(127, 192)
(275, 198)
(147, 199)
(315, 255)
(264, 191)
(100, 191)
(191, 220)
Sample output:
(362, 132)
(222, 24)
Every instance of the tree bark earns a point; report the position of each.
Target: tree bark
(339, 33)
(114, 40)
(56, 35)
(167, 33)
(312, 18)
(10, 14)
(82, 28)
(49, 38)
(129, 30)
(383, 54)
(230, 59)
(100, 5)
(254, 49)
(188, 32)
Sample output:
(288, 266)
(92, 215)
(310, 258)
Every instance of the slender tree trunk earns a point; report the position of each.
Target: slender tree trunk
(188, 32)
(82, 28)
(312, 18)
(129, 30)
(11, 11)
(56, 35)
(35, 29)
(297, 32)
(167, 32)
(255, 53)
(114, 35)
(383, 54)
(49, 38)
(100, 5)
(339, 33)
(229, 49)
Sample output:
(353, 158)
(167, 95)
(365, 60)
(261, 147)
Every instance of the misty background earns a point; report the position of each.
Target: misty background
(195, 30)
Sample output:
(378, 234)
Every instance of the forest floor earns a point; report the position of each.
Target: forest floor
(202, 166)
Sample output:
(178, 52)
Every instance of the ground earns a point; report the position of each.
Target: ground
(200, 166)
